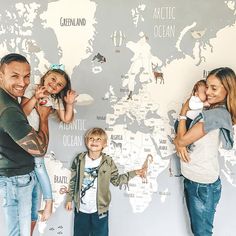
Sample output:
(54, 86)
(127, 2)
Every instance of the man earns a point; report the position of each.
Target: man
(19, 142)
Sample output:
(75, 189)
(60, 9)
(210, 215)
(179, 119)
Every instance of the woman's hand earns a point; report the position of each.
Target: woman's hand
(70, 97)
(181, 152)
(185, 108)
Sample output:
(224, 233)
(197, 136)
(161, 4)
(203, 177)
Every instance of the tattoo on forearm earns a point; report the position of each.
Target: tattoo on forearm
(35, 144)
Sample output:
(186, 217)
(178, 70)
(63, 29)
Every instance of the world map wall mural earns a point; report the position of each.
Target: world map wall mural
(133, 64)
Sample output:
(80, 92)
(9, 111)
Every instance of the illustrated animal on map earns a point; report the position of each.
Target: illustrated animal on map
(52, 155)
(157, 75)
(99, 58)
(116, 146)
(146, 164)
(197, 34)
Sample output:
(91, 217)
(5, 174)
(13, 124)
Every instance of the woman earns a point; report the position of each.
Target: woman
(199, 164)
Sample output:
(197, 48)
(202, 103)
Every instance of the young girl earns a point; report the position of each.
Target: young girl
(54, 91)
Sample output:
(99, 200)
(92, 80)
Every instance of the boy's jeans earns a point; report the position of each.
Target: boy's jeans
(16, 192)
(201, 200)
(90, 224)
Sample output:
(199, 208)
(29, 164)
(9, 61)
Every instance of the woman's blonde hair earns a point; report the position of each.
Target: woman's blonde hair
(228, 79)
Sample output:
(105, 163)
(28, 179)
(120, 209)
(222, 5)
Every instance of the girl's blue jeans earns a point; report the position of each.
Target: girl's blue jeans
(43, 183)
(201, 200)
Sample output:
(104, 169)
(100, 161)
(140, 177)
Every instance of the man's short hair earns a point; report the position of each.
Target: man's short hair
(7, 59)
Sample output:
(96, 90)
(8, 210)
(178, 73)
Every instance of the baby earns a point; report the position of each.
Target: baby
(197, 101)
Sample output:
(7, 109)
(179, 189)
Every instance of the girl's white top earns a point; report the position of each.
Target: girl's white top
(33, 117)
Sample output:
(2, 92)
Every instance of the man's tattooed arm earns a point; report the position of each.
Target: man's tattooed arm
(35, 143)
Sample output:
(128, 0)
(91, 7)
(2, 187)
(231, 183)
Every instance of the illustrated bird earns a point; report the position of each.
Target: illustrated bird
(197, 34)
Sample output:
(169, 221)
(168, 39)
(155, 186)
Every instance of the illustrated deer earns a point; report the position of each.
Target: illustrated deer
(116, 146)
(157, 75)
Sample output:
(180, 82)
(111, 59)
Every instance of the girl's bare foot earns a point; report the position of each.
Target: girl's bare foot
(47, 211)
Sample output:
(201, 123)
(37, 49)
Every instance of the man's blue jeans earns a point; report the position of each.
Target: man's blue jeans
(16, 192)
(90, 224)
(201, 200)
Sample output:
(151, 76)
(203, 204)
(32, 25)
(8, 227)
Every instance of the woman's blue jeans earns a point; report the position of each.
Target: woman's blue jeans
(201, 200)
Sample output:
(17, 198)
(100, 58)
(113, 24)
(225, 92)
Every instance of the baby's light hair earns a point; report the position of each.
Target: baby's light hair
(199, 83)
(95, 131)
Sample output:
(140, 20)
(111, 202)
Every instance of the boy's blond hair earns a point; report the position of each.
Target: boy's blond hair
(95, 131)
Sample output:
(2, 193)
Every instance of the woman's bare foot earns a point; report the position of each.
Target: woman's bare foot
(47, 211)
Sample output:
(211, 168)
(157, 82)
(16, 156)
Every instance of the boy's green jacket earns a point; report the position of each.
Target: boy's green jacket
(107, 173)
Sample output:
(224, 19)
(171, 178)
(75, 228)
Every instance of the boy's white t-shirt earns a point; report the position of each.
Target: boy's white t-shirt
(88, 193)
(33, 117)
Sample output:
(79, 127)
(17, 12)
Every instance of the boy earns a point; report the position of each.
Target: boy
(91, 175)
